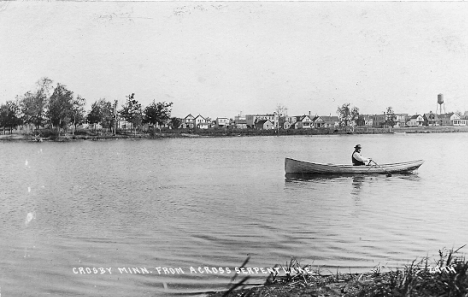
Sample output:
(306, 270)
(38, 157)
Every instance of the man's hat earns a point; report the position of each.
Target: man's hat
(358, 146)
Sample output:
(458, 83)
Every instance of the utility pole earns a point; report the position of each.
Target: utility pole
(115, 117)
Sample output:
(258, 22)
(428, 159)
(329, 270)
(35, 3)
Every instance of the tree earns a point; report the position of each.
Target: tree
(77, 111)
(157, 113)
(94, 115)
(347, 115)
(131, 112)
(175, 122)
(30, 109)
(281, 111)
(390, 117)
(107, 117)
(10, 115)
(33, 104)
(101, 112)
(45, 86)
(60, 107)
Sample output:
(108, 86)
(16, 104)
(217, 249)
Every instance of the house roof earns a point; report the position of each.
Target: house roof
(261, 122)
(302, 117)
(330, 118)
(316, 118)
(189, 115)
(445, 115)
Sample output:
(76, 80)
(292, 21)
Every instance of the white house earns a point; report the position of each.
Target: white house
(415, 121)
(457, 121)
(222, 122)
(303, 122)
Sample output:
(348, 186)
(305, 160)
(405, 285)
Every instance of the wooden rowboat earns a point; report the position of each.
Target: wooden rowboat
(293, 167)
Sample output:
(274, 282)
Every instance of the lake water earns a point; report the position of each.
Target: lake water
(66, 208)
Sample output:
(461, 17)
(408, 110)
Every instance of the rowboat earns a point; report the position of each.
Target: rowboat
(294, 166)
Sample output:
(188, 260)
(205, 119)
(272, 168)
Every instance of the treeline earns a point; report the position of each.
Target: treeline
(350, 116)
(58, 108)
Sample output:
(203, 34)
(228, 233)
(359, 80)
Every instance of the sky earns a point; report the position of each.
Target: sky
(219, 59)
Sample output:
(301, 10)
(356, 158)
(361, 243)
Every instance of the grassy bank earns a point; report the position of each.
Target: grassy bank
(445, 277)
(86, 134)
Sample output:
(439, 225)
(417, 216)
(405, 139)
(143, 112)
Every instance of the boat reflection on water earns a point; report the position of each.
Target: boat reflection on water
(356, 187)
(357, 181)
(294, 177)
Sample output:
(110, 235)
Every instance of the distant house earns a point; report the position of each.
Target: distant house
(121, 125)
(199, 119)
(264, 125)
(378, 120)
(240, 122)
(457, 121)
(366, 120)
(188, 122)
(330, 121)
(286, 125)
(251, 119)
(430, 119)
(318, 122)
(445, 119)
(221, 122)
(401, 119)
(286, 122)
(303, 122)
(415, 121)
(202, 122)
(205, 125)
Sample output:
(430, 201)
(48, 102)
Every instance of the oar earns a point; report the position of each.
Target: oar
(372, 165)
(388, 173)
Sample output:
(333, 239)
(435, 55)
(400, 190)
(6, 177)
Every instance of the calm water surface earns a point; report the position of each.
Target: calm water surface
(206, 202)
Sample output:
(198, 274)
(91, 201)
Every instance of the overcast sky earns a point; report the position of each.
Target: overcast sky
(220, 58)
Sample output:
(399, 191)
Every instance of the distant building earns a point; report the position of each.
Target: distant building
(367, 119)
(401, 119)
(264, 125)
(445, 119)
(430, 119)
(303, 122)
(286, 122)
(199, 119)
(415, 121)
(240, 122)
(221, 122)
(251, 119)
(188, 122)
(330, 121)
(457, 121)
(378, 120)
(318, 122)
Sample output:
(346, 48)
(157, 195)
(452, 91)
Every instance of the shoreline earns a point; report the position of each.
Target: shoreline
(448, 277)
(88, 135)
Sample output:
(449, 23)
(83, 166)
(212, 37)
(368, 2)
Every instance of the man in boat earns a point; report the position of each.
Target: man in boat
(358, 159)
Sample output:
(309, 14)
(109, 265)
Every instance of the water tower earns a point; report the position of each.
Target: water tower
(440, 103)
